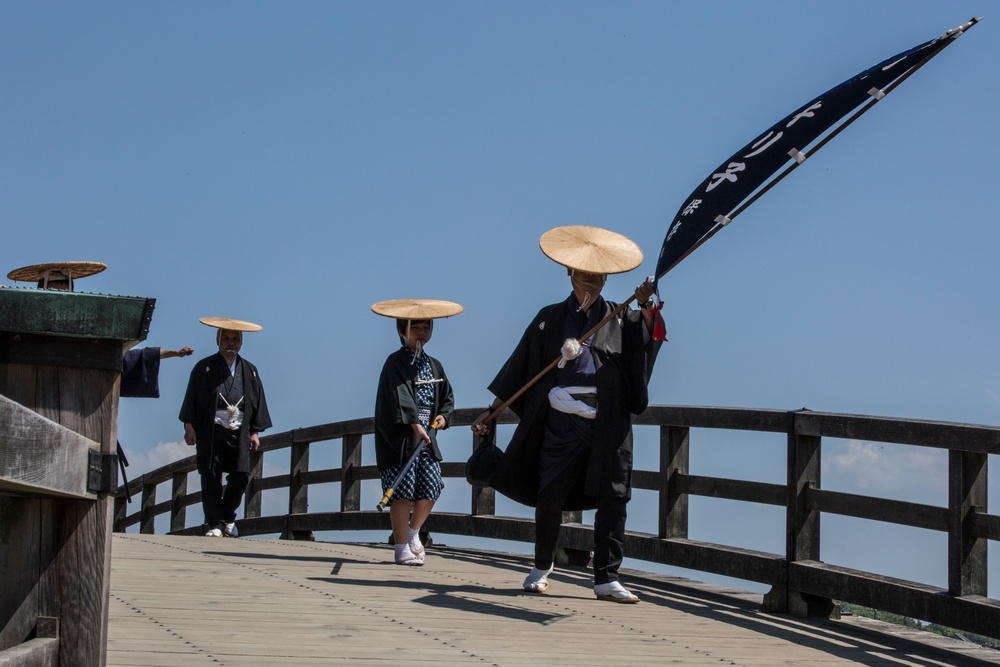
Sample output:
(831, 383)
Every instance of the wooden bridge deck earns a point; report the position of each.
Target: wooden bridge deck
(200, 601)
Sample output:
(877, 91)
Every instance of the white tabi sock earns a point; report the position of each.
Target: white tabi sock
(406, 557)
(537, 580)
(416, 546)
(614, 591)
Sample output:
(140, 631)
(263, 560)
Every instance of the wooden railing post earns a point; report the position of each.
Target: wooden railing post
(121, 512)
(967, 494)
(298, 489)
(484, 498)
(675, 453)
(802, 524)
(350, 485)
(178, 511)
(569, 555)
(255, 494)
(147, 510)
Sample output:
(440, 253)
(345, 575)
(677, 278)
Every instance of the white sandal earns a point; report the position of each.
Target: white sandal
(613, 591)
(537, 580)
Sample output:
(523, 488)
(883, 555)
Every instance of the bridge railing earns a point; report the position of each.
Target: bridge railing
(800, 581)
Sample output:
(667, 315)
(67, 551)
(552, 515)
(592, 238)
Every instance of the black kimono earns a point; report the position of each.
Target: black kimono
(200, 403)
(396, 409)
(623, 362)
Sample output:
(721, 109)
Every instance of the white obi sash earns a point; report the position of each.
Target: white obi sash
(561, 399)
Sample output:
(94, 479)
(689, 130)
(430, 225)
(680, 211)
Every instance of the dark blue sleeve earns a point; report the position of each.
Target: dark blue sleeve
(141, 373)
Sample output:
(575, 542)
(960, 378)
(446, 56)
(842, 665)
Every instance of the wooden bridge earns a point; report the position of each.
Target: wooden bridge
(73, 595)
(186, 601)
(470, 605)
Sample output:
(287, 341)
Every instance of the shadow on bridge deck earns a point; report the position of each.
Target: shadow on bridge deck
(203, 601)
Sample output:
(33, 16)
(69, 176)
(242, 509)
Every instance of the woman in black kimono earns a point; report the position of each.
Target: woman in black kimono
(572, 448)
(413, 402)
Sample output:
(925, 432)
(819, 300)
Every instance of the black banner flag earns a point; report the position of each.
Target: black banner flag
(753, 169)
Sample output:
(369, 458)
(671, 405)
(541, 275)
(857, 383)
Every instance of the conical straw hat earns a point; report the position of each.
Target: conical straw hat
(590, 249)
(232, 325)
(34, 273)
(416, 309)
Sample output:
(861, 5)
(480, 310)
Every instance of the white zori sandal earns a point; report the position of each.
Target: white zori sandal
(537, 580)
(613, 591)
(405, 557)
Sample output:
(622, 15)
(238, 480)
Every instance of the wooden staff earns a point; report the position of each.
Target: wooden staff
(387, 498)
(533, 381)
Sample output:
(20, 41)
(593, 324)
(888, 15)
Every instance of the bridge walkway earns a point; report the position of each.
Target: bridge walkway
(253, 602)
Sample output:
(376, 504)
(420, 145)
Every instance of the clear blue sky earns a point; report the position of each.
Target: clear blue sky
(293, 163)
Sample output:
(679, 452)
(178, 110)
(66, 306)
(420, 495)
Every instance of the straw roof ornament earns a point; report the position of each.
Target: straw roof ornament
(416, 309)
(56, 271)
(230, 324)
(590, 249)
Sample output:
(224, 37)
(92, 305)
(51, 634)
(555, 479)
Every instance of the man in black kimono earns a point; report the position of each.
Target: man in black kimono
(223, 411)
(572, 448)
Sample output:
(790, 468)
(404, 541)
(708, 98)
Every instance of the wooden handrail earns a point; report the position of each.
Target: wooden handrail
(799, 581)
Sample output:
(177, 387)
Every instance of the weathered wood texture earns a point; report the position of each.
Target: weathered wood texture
(38, 652)
(60, 360)
(55, 557)
(38, 456)
(186, 601)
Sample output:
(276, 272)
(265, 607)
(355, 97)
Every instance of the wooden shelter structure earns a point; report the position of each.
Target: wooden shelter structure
(60, 368)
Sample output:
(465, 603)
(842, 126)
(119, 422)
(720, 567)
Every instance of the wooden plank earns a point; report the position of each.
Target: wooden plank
(253, 498)
(947, 435)
(899, 512)
(46, 399)
(987, 525)
(17, 382)
(178, 511)
(673, 502)
(79, 578)
(38, 455)
(20, 568)
(350, 461)
(735, 562)
(927, 603)
(743, 419)
(59, 351)
(39, 652)
(298, 490)
(733, 489)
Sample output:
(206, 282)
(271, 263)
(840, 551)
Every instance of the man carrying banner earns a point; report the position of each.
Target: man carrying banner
(572, 448)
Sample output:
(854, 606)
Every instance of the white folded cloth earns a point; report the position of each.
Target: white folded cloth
(561, 399)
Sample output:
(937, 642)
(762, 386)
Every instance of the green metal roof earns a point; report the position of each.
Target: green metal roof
(77, 314)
